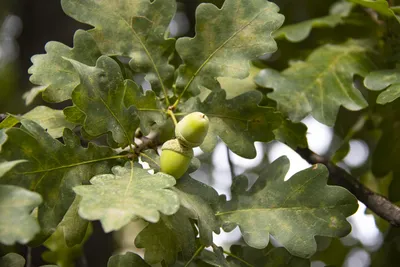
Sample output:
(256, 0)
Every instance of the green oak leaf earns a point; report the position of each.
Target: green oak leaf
(132, 28)
(387, 151)
(198, 199)
(300, 31)
(334, 254)
(59, 252)
(57, 76)
(239, 122)
(225, 43)
(52, 168)
(100, 96)
(16, 223)
(380, 6)
(50, 119)
(168, 237)
(318, 86)
(292, 134)
(384, 79)
(148, 106)
(274, 257)
(9, 121)
(128, 193)
(129, 259)
(235, 87)
(287, 209)
(72, 226)
(12, 260)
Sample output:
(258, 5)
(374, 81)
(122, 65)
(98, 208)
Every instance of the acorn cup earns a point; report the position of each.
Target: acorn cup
(175, 158)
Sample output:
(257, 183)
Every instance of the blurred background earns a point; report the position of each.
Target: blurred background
(27, 25)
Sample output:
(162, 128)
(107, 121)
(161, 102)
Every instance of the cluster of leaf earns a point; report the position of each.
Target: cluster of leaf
(60, 169)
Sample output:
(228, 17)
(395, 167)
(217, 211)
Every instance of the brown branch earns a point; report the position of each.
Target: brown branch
(375, 202)
(151, 141)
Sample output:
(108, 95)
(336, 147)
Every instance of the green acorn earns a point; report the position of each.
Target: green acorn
(192, 129)
(175, 158)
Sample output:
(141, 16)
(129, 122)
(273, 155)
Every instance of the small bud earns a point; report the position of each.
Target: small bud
(192, 129)
(175, 158)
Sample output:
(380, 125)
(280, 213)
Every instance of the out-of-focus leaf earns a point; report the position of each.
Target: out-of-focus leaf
(100, 96)
(130, 192)
(292, 134)
(73, 226)
(225, 50)
(388, 254)
(52, 168)
(16, 223)
(197, 198)
(287, 209)
(239, 122)
(52, 120)
(334, 255)
(235, 87)
(12, 260)
(9, 121)
(59, 252)
(168, 237)
(129, 259)
(133, 28)
(384, 79)
(380, 6)
(274, 257)
(321, 84)
(30, 95)
(57, 76)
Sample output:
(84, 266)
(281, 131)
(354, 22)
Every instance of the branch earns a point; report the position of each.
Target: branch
(375, 202)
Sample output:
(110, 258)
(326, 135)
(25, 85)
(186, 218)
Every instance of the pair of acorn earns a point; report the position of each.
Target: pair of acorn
(176, 154)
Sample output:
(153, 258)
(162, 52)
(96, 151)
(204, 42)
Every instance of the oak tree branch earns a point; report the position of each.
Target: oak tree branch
(374, 201)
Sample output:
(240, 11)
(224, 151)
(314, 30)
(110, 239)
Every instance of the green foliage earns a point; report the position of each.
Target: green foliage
(61, 169)
(318, 86)
(202, 57)
(286, 209)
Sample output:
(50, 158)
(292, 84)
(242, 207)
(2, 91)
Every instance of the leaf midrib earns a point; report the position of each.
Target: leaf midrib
(220, 47)
(305, 209)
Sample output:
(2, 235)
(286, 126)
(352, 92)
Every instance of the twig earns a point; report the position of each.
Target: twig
(146, 142)
(171, 113)
(28, 256)
(200, 249)
(374, 201)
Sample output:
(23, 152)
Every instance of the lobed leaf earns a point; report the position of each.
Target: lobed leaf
(384, 79)
(12, 259)
(292, 134)
(57, 76)
(130, 192)
(129, 259)
(168, 237)
(274, 257)
(225, 50)
(100, 99)
(287, 209)
(16, 223)
(198, 199)
(59, 252)
(239, 122)
(52, 168)
(132, 28)
(380, 6)
(321, 84)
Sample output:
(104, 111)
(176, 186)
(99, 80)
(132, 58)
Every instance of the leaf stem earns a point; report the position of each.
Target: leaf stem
(171, 113)
(237, 258)
(149, 158)
(200, 249)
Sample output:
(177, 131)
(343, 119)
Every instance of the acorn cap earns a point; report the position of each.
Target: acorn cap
(176, 146)
(192, 129)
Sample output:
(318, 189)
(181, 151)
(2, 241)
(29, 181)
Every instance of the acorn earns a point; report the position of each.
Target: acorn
(192, 129)
(175, 158)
